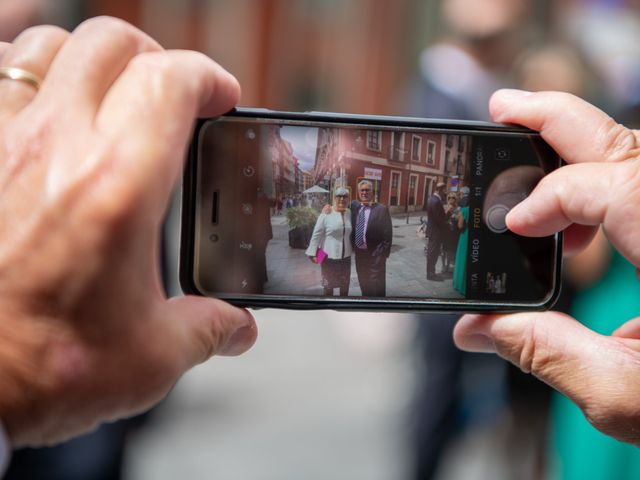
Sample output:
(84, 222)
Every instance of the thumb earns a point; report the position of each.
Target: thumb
(631, 329)
(212, 327)
(535, 342)
(598, 373)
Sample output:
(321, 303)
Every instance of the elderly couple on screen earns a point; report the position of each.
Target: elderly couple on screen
(363, 227)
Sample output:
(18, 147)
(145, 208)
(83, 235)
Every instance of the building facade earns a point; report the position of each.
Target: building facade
(404, 166)
(286, 176)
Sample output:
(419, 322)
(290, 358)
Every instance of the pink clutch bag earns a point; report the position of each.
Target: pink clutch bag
(320, 255)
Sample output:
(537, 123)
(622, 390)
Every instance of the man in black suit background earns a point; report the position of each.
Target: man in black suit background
(436, 225)
(371, 236)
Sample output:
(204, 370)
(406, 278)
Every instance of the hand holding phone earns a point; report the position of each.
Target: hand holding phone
(599, 187)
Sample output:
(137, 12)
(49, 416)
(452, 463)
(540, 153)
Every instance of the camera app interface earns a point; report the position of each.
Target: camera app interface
(320, 210)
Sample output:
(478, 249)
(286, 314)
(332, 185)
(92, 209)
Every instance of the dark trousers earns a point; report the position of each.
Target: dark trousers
(434, 247)
(372, 273)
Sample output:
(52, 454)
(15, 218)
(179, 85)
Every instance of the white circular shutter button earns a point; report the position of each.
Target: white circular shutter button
(496, 218)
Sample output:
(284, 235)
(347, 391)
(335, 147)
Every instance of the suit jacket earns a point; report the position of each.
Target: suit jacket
(379, 232)
(436, 218)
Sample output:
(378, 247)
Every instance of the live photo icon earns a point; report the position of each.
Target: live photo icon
(502, 154)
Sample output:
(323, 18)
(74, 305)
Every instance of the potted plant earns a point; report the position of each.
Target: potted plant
(301, 221)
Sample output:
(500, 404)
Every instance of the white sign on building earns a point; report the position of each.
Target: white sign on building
(373, 173)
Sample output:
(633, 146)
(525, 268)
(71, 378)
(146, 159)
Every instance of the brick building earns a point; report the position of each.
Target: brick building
(403, 166)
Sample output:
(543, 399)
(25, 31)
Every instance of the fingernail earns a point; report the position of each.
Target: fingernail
(239, 342)
(478, 343)
(473, 333)
(514, 92)
(511, 215)
(516, 213)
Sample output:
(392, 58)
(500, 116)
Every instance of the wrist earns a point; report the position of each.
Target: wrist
(26, 366)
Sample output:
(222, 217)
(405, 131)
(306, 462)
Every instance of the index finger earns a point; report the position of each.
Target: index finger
(603, 184)
(567, 123)
(91, 60)
(150, 109)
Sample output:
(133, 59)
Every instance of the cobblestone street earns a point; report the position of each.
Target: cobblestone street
(290, 271)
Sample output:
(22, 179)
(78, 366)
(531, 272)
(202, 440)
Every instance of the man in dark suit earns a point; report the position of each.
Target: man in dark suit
(436, 225)
(371, 236)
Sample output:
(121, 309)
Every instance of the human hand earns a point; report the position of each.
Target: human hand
(600, 186)
(88, 164)
(327, 209)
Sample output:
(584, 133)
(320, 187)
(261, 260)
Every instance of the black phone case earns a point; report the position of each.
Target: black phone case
(186, 271)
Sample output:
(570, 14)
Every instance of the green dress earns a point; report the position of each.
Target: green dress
(579, 451)
(460, 268)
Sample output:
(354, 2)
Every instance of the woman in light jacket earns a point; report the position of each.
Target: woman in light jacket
(332, 234)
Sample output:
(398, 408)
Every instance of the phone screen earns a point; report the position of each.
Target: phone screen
(320, 210)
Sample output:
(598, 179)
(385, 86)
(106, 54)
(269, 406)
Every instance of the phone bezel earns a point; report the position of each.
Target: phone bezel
(188, 209)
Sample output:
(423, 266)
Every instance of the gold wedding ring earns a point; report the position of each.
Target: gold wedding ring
(21, 75)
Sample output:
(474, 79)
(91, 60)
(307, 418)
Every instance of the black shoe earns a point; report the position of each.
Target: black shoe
(435, 278)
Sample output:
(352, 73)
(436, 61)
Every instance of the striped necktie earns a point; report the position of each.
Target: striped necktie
(360, 221)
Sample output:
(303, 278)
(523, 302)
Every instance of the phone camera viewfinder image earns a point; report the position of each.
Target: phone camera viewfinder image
(320, 212)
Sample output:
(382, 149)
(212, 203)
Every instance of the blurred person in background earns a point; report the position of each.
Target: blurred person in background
(457, 75)
(555, 66)
(470, 60)
(607, 292)
(606, 33)
(604, 285)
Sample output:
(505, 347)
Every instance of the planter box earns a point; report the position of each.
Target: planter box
(300, 237)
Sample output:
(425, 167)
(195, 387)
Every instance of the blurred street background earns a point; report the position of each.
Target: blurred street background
(324, 395)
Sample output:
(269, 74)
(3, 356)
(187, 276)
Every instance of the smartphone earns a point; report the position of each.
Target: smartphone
(322, 210)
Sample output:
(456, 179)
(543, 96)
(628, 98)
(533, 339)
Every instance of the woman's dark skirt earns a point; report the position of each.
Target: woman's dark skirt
(336, 273)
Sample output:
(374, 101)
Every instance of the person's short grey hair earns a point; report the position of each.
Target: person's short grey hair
(341, 191)
(365, 182)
